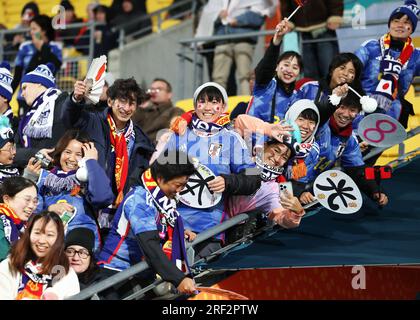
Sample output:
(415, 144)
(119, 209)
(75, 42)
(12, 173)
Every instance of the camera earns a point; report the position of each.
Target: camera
(43, 159)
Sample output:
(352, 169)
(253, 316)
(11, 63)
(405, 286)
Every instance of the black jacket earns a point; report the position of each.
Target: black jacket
(95, 124)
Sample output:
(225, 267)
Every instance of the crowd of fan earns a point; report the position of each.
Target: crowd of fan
(95, 189)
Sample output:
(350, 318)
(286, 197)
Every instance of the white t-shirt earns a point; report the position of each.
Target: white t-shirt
(64, 288)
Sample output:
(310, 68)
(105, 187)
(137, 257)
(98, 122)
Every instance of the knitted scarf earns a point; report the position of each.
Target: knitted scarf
(170, 225)
(38, 121)
(120, 145)
(206, 129)
(58, 181)
(7, 171)
(12, 225)
(387, 89)
(32, 283)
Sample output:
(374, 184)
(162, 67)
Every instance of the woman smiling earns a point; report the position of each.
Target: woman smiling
(27, 274)
(18, 197)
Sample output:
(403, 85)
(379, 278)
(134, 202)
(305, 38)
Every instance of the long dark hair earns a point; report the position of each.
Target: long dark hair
(44, 22)
(73, 134)
(21, 251)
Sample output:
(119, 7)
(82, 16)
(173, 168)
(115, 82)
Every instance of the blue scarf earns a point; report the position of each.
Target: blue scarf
(58, 181)
(208, 129)
(7, 171)
(169, 222)
(38, 121)
(12, 225)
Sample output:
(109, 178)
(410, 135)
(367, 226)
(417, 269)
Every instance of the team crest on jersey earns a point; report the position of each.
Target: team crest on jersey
(214, 150)
(340, 149)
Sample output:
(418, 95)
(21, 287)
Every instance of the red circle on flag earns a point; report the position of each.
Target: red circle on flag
(385, 86)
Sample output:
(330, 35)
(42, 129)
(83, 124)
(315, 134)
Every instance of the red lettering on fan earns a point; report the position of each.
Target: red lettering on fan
(100, 72)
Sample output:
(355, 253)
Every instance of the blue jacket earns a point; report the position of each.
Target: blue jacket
(263, 99)
(333, 148)
(136, 214)
(96, 126)
(231, 157)
(98, 195)
(370, 55)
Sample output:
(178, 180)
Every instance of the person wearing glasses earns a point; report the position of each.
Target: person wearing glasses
(157, 113)
(79, 250)
(18, 200)
(37, 267)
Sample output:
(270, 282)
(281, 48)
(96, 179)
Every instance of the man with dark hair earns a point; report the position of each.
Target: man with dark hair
(123, 148)
(148, 225)
(156, 114)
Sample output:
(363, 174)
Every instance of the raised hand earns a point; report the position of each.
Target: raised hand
(89, 151)
(281, 29)
(80, 90)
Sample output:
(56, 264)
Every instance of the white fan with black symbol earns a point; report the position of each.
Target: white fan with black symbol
(95, 79)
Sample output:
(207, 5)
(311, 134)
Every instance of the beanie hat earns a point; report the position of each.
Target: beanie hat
(6, 133)
(43, 74)
(409, 8)
(6, 81)
(81, 237)
(211, 84)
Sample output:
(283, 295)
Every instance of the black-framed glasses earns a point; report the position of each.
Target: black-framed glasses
(83, 254)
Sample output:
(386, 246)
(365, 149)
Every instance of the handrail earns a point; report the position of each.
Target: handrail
(142, 266)
(268, 32)
(378, 150)
(78, 25)
(193, 45)
(120, 28)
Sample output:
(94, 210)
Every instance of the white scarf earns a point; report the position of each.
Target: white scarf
(42, 111)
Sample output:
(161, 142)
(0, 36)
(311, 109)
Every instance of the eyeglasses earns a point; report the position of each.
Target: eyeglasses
(157, 90)
(28, 200)
(10, 150)
(83, 254)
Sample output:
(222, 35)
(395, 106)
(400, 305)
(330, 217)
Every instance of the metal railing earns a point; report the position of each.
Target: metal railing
(191, 51)
(93, 290)
(71, 69)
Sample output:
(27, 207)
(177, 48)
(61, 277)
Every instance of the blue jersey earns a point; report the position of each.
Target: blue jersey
(26, 52)
(223, 153)
(371, 56)
(261, 106)
(333, 148)
(136, 214)
(97, 195)
(308, 90)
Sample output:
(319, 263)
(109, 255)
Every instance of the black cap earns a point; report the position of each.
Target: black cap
(81, 237)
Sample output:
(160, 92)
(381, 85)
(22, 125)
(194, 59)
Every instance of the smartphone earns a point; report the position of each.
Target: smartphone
(283, 186)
